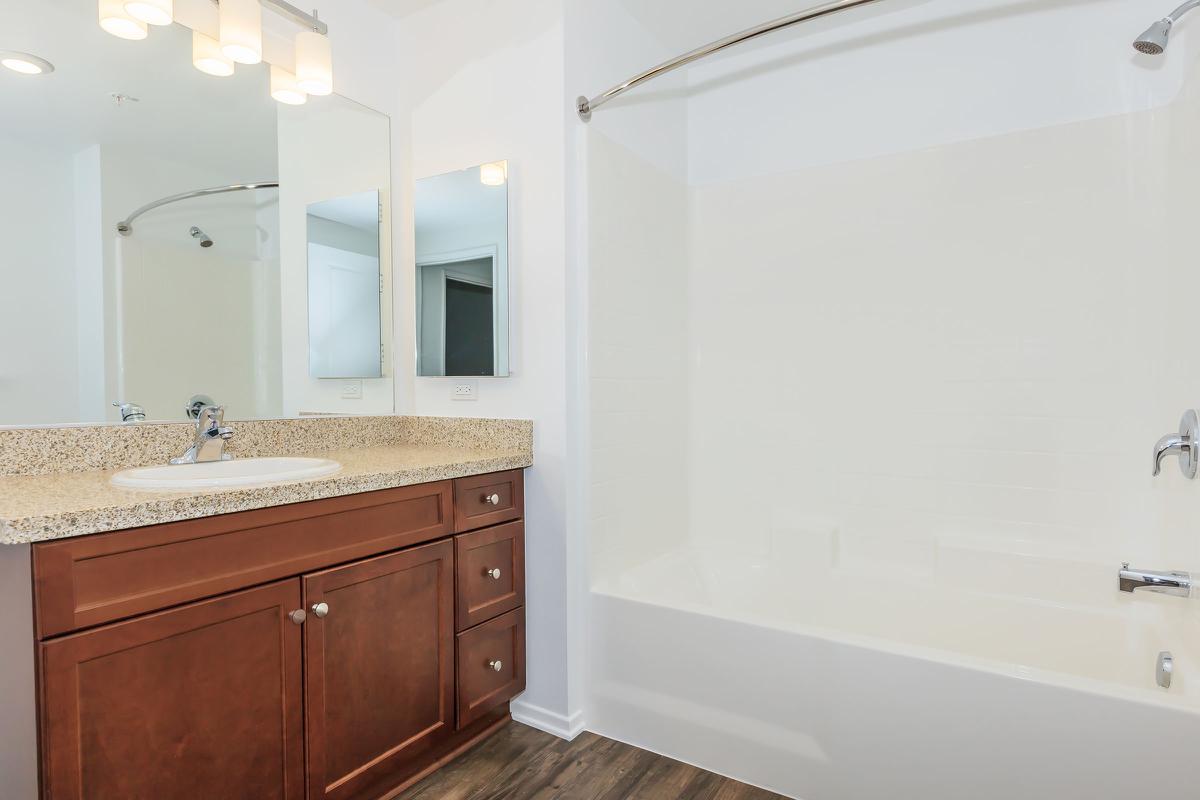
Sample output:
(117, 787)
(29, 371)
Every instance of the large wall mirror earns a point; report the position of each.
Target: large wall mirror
(462, 272)
(159, 227)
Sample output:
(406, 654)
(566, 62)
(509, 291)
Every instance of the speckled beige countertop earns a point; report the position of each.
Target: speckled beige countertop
(54, 505)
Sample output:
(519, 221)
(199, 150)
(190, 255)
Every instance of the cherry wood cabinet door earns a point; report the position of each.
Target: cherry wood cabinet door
(203, 700)
(379, 669)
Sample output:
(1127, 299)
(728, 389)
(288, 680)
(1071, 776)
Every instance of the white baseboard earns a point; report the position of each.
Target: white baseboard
(564, 727)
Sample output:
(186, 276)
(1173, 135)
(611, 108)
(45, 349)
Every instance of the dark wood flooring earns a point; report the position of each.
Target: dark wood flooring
(520, 763)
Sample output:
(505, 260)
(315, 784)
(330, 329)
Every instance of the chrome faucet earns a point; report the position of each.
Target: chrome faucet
(211, 436)
(1185, 444)
(1178, 584)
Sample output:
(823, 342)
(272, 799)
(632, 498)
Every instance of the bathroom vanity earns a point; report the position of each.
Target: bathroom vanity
(339, 647)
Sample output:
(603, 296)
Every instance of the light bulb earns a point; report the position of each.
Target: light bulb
(241, 30)
(208, 57)
(115, 20)
(152, 12)
(285, 89)
(314, 63)
(493, 174)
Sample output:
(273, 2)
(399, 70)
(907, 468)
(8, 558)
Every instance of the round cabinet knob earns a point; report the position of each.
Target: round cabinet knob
(320, 609)
(496, 666)
(298, 616)
(493, 573)
(491, 499)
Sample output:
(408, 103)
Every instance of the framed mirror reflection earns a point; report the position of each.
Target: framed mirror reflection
(462, 272)
(158, 248)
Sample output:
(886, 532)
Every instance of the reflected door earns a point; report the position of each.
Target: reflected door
(343, 307)
(469, 330)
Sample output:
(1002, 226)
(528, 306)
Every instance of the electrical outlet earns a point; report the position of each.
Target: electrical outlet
(352, 390)
(464, 390)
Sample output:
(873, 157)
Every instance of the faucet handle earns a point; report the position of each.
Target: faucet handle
(1183, 444)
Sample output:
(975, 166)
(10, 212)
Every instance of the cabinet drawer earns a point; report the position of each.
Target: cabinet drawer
(491, 665)
(96, 579)
(483, 500)
(490, 568)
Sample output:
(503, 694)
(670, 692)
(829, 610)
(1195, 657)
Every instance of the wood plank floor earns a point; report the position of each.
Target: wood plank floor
(521, 763)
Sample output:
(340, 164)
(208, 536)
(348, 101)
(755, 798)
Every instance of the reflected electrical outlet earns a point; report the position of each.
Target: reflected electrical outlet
(464, 390)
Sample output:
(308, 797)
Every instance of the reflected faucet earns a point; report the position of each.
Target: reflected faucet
(211, 435)
(1178, 584)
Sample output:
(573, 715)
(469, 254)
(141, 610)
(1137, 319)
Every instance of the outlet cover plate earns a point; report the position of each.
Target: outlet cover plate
(352, 390)
(464, 390)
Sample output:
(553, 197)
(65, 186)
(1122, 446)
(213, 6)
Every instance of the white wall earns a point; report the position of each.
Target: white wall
(494, 90)
(39, 380)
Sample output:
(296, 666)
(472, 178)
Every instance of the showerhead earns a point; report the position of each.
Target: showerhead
(1154, 41)
(196, 233)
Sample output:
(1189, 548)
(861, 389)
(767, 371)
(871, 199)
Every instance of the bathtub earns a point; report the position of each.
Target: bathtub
(1001, 677)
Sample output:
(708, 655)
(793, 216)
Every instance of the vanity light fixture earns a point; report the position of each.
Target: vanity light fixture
(314, 62)
(241, 30)
(285, 89)
(152, 12)
(116, 20)
(25, 63)
(494, 174)
(208, 57)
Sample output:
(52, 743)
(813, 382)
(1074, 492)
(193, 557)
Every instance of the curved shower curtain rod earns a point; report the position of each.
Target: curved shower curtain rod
(585, 106)
(125, 226)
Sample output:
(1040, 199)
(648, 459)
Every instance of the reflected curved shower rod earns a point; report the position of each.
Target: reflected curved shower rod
(125, 226)
(585, 106)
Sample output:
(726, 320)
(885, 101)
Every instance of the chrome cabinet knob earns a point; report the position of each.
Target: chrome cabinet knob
(493, 573)
(320, 609)
(298, 616)
(491, 499)
(496, 666)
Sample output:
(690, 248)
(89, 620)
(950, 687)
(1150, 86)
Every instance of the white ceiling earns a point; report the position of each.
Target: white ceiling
(357, 210)
(457, 199)
(402, 8)
(228, 123)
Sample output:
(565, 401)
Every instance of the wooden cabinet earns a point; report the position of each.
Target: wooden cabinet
(203, 700)
(331, 650)
(379, 666)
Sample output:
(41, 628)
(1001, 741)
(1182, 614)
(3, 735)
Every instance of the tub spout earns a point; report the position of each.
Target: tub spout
(1178, 584)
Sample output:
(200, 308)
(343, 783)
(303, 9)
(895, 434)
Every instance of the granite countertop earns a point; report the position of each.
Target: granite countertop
(42, 507)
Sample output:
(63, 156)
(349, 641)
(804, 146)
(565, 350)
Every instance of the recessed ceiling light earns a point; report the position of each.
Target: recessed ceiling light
(25, 63)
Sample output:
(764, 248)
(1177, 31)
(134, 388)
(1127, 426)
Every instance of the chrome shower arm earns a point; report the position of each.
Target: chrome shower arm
(584, 106)
(1175, 15)
(125, 226)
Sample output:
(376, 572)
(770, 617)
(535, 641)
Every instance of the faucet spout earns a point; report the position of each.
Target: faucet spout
(1178, 584)
(211, 436)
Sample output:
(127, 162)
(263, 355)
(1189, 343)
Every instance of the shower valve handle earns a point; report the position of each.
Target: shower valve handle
(1183, 444)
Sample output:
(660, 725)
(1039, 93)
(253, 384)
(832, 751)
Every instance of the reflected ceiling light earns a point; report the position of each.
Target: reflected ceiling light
(285, 89)
(208, 57)
(116, 20)
(314, 63)
(152, 12)
(25, 63)
(494, 174)
(241, 30)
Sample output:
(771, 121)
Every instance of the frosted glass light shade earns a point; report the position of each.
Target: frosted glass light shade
(241, 30)
(493, 174)
(116, 20)
(314, 63)
(152, 12)
(285, 89)
(208, 57)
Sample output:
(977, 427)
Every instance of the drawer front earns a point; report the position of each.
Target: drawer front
(491, 665)
(483, 500)
(94, 579)
(490, 567)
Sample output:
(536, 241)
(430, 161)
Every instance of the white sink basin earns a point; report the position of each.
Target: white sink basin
(224, 474)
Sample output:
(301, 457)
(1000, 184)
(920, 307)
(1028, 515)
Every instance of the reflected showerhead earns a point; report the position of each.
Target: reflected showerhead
(196, 233)
(1154, 41)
